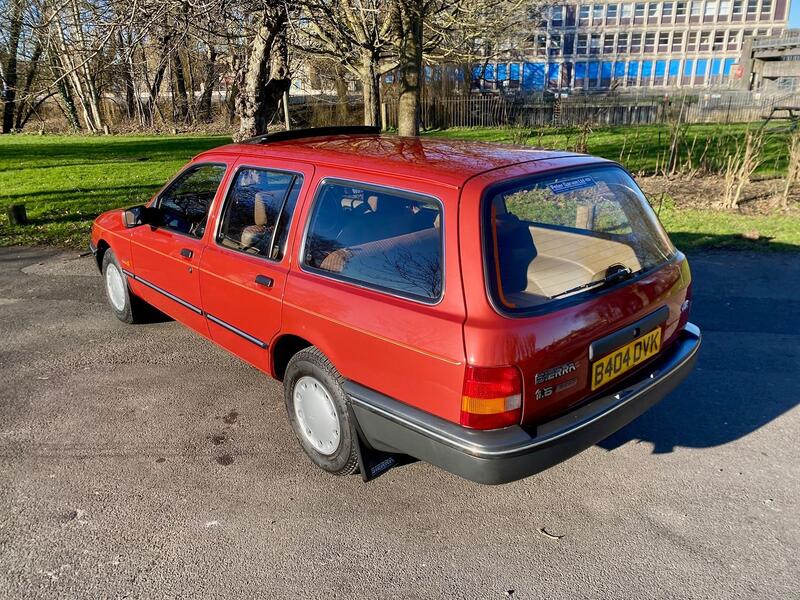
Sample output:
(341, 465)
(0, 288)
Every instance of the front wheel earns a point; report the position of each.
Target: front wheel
(126, 307)
(317, 408)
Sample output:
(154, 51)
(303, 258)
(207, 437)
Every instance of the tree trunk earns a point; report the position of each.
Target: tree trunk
(206, 98)
(24, 110)
(408, 22)
(371, 88)
(265, 77)
(155, 86)
(10, 79)
(182, 107)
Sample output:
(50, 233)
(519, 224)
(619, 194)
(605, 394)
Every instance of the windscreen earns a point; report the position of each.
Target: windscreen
(566, 233)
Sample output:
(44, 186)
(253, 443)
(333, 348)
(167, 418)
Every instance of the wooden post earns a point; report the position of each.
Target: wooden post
(17, 214)
(383, 116)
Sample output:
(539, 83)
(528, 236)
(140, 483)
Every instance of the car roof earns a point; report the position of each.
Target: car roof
(447, 162)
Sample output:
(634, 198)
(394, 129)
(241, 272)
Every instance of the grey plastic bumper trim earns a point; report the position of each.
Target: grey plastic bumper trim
(598, 416)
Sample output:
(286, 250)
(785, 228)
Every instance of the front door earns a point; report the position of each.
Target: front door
(244, 266)
(166, 256)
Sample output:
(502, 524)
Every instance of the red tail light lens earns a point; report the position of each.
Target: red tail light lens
(492, 397)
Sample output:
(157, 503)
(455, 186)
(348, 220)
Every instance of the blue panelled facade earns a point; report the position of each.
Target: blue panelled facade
(669, 43)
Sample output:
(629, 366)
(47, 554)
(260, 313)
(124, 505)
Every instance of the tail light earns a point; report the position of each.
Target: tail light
(492, 397)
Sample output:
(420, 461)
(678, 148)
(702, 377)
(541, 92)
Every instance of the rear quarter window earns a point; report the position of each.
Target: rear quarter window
(385, 239)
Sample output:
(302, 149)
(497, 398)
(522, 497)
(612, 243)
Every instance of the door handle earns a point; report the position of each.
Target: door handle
(264, 280)
(186, 253)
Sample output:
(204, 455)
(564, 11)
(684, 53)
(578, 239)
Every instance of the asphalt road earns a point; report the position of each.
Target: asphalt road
(143, 462)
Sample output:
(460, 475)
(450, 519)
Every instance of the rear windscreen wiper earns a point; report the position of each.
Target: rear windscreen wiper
(614, 274)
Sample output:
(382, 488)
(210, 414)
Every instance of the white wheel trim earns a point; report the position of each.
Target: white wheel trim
(115, 287)
(316, 415)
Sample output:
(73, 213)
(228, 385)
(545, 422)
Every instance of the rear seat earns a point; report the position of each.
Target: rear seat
(344, 259)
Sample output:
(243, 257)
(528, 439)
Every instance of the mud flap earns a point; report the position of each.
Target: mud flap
(372, 463)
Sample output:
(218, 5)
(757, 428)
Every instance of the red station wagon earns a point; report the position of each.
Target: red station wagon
(490, 309)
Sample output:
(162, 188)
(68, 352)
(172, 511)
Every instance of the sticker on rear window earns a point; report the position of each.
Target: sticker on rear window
(570, 185)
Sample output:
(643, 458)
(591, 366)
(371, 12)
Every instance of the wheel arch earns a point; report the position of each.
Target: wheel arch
(283, 349)
(102, 246)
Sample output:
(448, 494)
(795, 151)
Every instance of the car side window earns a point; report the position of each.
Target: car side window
(258, 211)
(385, 239)
(184, 205)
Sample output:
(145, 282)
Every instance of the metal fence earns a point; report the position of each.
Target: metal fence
(609, 110)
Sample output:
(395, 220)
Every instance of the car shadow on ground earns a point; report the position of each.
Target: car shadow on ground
(747, 369)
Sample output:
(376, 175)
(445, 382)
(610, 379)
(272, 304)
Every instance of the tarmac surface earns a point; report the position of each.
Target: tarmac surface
(144, 462)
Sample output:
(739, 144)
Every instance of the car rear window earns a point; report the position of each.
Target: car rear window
(385, 239)
(561, 234)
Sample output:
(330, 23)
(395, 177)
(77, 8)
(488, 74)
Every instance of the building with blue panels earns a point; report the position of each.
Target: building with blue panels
(612, 45)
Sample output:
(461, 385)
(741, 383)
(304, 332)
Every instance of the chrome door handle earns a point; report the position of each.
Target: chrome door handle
(264, 280)
(186, 253)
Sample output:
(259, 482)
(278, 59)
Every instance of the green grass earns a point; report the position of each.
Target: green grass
(65, 181)
(642, 148)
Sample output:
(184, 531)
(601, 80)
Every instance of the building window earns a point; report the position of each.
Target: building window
(652, 10)
(636, 42)
(677, 41)
(639, 10)
(666, 11)
(557, 16)
(766, 8)
(663, 41)
(608, 43)
(611, 12)
(752, 7)
(705, 39)
(594, 44)
(719, 40)
(724, 8)
(627, 11)
(680, 9)
(649, 41)
(583, 14)
(711, 8)
(695, 10)
(555, 45)
(733, 39)
(622, 43)
(737, 7)
(582, 44)
(692, 40)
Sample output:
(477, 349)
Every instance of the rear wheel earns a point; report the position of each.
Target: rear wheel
(317, 408)
(124, 305)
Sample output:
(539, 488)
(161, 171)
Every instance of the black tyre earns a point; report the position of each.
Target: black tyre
(124, 305)
(317, 408)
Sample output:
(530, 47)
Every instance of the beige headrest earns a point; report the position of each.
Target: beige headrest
(260, 207)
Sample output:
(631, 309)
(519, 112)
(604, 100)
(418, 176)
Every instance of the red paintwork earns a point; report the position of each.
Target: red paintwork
(412, 352)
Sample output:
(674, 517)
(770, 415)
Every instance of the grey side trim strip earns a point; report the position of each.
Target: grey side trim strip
(237, 331)
(152, 286)
(513, 440)
(199, 311)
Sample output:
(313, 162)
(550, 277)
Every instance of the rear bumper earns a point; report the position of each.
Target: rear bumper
(508, 454)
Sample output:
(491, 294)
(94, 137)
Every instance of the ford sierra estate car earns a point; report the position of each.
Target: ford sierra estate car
(490, 309)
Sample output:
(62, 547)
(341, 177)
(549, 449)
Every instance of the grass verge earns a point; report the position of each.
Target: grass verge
(65, 181)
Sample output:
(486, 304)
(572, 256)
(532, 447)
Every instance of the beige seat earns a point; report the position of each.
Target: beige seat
(258, 234)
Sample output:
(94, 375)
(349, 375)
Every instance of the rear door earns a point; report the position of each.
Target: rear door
(166, 256)
(244, 266)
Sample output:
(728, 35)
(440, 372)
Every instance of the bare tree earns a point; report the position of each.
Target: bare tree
(263, 74)
(357, 34)
(9, 68)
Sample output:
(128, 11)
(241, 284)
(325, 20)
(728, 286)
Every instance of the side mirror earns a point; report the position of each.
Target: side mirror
(139, 215)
